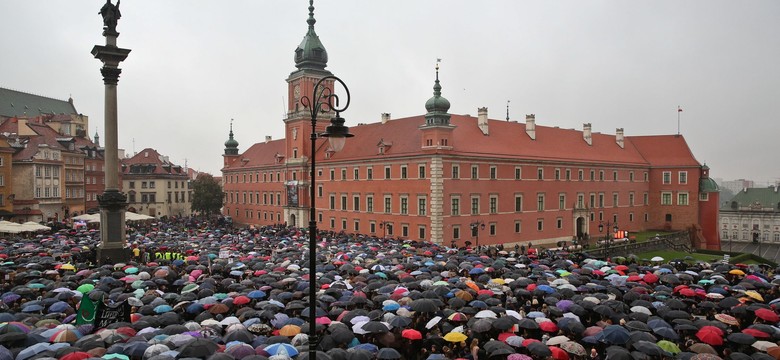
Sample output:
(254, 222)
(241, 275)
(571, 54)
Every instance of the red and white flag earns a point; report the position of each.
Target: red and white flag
(679, 109)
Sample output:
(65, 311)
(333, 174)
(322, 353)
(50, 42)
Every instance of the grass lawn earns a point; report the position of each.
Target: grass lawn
(671, 254)
(644, 235)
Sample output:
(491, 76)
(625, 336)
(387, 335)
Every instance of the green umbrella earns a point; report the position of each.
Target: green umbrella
(85, 288)
(189, 288)
(116, 356)
(36, 286)
(138, 284)
(669, 346)
(131, 270)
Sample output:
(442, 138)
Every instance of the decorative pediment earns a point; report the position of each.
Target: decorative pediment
(383, 146)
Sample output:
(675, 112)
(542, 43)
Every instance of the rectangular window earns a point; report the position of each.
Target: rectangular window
(492, 229)
(356, 202)
(631, 176)
(630, 217)
(344, 202)
(601, 175)
(601, 200)
(518, 226)
(332, 202)
(561, 201)
(631, 199)
(455, 171)
(404, 175)
(455, 207)
(580, 175)
(682, 199)
(667, 177)
(645, 199)
(455, 232)
(474, 205)
(344, 224)
(355, 173)
(474, 172)
(666, 198)
(370, 203)
(580, 201)
(493, 172)
(372, 227)
(615, 199)
(421, 171)
(388, 202)
(493, 204)
(683, 177)
(387, 173)
(332, 174)
(518, 203)
(592, 202)
(559, 223)
(405, 230)
(132, 184)
(357, 225)
(557, 174)
(319, 191)
(540, 224)
(421, 232)
(518, 173)
(593, 175)
(404, 205)
(704, 196)
(568, 174)
(540, 202)
(343, 174)
(540, 174)
(370, 174)
(422, 206)
(614, 176)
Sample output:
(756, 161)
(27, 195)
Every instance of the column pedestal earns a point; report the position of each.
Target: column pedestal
(112, 228)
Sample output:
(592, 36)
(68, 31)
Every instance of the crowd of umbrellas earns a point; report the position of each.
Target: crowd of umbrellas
(243, 294)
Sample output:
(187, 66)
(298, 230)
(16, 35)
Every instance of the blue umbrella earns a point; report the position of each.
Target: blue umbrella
(32, 308)
(5, 354)
(475, 271)
(33, 350)
(546, 288)
(667, 333)
(163, 309)
(10, 297)
(614, 335)
(59, 306)
(194, 308)
(368, 347)
(256, 294)
(281, 349)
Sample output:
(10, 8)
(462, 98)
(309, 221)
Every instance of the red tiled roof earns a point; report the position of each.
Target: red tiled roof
(150, 156)
(665, 150)
(259, 154)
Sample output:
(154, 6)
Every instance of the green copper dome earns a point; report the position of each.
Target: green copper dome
(437, 103)
(708, 185)
(311, 54)
(231, 145)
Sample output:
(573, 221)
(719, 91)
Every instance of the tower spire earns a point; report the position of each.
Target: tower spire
(311, 20)
(231, 145)
(311, 54)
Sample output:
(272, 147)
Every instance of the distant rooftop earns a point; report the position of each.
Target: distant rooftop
(17, 103)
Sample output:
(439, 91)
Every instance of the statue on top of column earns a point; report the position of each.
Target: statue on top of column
(111, 15)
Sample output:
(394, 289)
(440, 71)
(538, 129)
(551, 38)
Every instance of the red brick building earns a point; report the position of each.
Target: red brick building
(432, 176)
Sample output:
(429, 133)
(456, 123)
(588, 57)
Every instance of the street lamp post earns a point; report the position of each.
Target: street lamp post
(323, 99)
(476, 226)
(607, 238)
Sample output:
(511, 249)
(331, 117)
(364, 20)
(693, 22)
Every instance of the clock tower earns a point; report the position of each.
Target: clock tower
(311, 59)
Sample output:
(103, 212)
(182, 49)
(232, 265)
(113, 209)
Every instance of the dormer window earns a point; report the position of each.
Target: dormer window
(383, 146)
(279, 157)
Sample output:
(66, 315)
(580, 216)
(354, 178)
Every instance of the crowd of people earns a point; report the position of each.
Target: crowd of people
(198, 289)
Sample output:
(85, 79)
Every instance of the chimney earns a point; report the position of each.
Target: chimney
(120, 153)
(482, 120)
(586, 134)
(530, 126)
(166, 159)
(619, 138)
(267, 138)
(385, 118)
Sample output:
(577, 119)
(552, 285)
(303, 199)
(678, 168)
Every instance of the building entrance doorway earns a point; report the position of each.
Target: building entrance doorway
(292, 221)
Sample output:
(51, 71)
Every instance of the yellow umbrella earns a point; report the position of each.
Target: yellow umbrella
(67, 267)
(290, 330)
(754, 295)
(455, 337)
(737, 272)
(498, 281)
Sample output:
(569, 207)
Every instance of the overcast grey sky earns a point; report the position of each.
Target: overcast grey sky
(196, 64)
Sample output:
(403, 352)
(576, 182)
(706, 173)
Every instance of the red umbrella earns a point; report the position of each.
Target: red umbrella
(548, 326)
(78, 355)
(709, 335)
(756, 333)
(527, 342)
(768, 315)
(651, 278)
(558, 353)
(241, 300)
(504, 335)
(688, 292)
(411, 334)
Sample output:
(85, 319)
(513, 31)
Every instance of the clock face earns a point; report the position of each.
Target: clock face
(297, 91)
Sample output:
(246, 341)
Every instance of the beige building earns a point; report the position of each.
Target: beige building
(155, 186)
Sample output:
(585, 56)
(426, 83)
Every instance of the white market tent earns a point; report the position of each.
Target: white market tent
(129, 216)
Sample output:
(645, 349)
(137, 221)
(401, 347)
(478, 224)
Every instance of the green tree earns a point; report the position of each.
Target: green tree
(206, 195)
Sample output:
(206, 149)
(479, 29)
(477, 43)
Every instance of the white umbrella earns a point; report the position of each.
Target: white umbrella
(641, 309)
(433, 322)
(557, 340)
(657, 258)
(34, 226)
(485, 314)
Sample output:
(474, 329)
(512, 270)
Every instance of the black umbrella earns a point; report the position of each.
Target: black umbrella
(526, 323)
(375, 327)
(424, 306)
(197, 348)
(504, 323)
(741, 338)
(241, 335)
(319, 356)
(648, 348)
(539, 349)
(400, 321)
(388, 354)
(637, 326)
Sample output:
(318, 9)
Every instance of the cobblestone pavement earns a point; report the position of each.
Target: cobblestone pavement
(767, 251)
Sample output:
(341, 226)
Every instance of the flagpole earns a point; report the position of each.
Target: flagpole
(679, 110)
